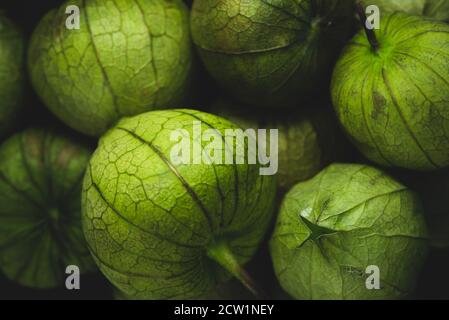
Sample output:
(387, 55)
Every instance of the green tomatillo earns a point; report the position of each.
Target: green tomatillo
(40, 213)
(307, 141)
(391, 92)
(127, 57)
(351, 232)
(163, 229)
(12, 61)
(270, 53)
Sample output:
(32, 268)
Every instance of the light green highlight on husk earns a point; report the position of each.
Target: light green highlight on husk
(128, 57)
(394, 102)
(334, 226)
(151, 224)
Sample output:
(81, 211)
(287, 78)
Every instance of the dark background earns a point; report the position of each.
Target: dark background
(433, 282)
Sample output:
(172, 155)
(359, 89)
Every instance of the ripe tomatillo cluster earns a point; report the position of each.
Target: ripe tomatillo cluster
(153, 172)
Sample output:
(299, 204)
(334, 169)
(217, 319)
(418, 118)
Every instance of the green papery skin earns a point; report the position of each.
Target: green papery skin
(438, 9)
(394, 102)
(230, 290)
(150, 224)
(128, 57)
(332, 227)
(40, 214)
(307, 142)
(12, 61)
(263, 51)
